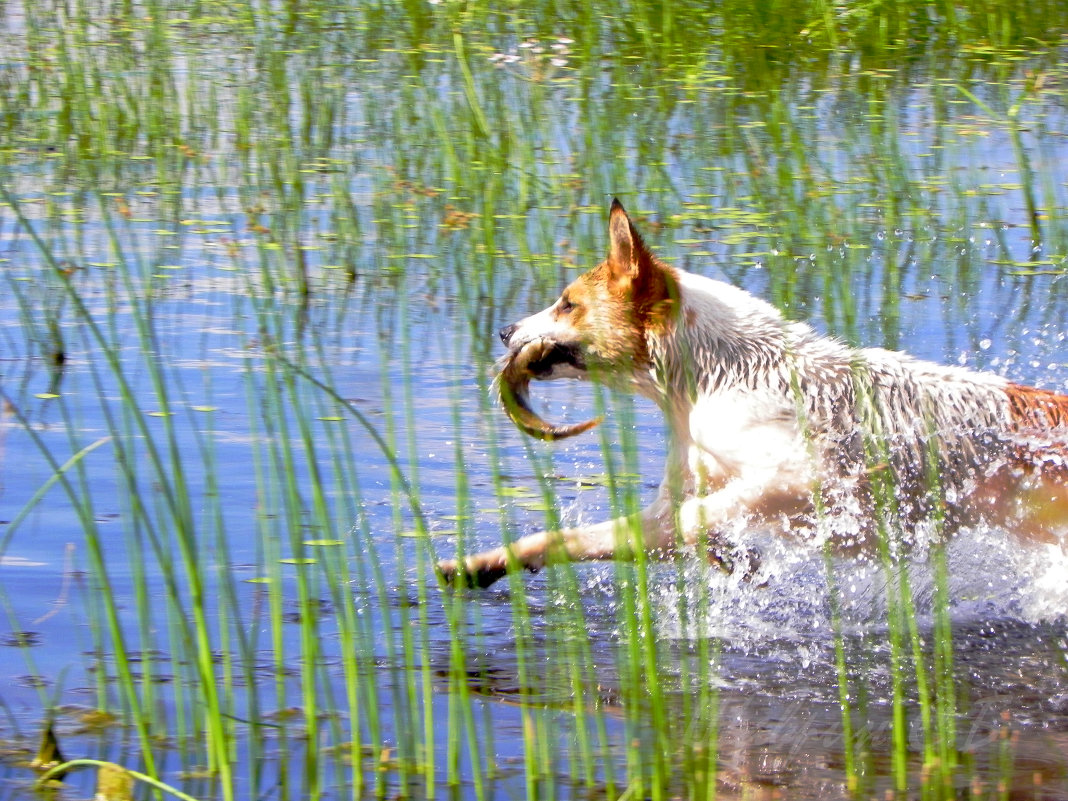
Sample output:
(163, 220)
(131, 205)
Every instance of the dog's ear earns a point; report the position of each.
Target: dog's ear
(621, 236)
(627, 255)
(634, 271)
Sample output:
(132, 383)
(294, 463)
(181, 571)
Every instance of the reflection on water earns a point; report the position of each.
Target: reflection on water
(370, 199)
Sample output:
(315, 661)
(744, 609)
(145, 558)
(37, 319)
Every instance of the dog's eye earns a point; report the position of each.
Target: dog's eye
(565, 306)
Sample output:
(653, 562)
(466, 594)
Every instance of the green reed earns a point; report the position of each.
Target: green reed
(322, 658)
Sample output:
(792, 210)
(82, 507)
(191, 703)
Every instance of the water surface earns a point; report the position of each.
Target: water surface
(251, 287)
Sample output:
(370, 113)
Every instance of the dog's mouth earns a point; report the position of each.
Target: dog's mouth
(547, 355)
(537, 360)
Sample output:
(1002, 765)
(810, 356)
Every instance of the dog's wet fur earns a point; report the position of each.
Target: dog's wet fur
(772, 424)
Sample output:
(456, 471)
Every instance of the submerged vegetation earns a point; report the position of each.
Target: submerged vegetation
(253, 260)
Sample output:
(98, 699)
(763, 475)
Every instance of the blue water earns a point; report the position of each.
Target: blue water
(959, 281)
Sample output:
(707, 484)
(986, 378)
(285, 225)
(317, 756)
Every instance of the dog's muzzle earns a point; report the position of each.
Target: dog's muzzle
(506, 333)
(553, 355)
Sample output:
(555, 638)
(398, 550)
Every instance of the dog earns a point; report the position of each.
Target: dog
(772, 424)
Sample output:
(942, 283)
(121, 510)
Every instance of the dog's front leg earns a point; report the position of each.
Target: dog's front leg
(618, 538)
(703, 519)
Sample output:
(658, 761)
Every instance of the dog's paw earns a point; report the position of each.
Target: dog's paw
(447, 570)
(457, 574)
(749, 561)
(740, 561)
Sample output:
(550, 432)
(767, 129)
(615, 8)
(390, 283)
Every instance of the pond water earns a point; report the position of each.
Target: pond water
(247, 329)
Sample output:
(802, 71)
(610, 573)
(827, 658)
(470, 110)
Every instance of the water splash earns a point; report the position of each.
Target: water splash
(990, 575)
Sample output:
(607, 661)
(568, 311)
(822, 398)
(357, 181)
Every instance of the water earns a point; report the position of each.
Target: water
(884, 207)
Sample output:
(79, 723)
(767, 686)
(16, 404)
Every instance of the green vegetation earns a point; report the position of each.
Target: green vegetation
(254, 257)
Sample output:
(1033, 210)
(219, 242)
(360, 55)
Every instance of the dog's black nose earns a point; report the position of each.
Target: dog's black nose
(506, 333)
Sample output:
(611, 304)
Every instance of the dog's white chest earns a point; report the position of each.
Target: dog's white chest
(743, 433)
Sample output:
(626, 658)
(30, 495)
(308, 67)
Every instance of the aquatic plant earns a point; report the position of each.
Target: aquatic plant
(273, 245)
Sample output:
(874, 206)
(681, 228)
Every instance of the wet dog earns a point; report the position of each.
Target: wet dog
(772, 424)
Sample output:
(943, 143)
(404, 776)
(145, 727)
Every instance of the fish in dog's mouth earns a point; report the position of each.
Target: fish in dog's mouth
(537, 360)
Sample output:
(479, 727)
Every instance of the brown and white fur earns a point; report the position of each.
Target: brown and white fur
(773, 424)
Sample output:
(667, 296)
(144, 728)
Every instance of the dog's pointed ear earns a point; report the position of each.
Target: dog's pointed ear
(621, 235)
(627, 254)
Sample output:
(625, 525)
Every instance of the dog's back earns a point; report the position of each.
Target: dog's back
(912, 437)
(920, 439)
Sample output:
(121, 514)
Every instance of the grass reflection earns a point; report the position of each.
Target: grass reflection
(255, 256)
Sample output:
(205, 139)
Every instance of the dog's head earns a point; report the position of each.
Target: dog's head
(600, 327)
